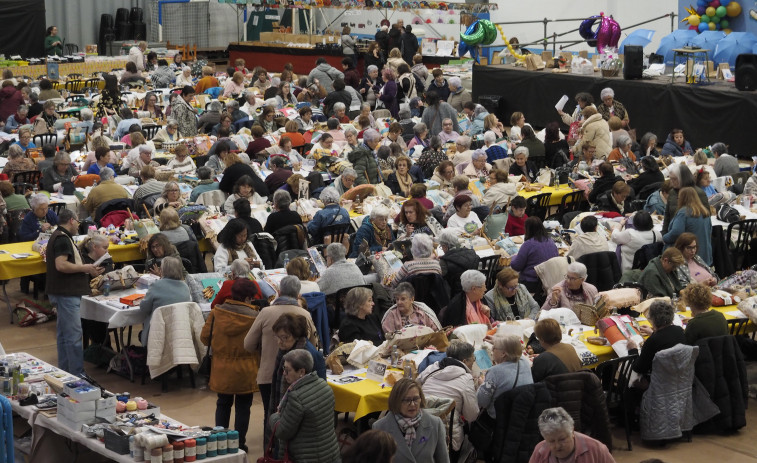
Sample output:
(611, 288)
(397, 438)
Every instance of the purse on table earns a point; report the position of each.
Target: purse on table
(589, 314)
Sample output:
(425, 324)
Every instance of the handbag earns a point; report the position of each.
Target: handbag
(268, 456)
(207, 359)
(589, 314)
(481, 431)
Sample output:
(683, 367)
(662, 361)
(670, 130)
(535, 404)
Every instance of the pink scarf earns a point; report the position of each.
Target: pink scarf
(473, 313)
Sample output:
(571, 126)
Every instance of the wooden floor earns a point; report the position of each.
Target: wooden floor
(197, 406)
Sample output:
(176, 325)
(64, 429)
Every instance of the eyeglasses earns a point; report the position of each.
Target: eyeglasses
(570, 278)
(284, 338)
(693, 247)
(411, 400)
(509, 288)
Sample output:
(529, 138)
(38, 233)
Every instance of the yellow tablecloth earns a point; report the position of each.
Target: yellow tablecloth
(364, 397)
(605, 353)
(85, 69)
(556, 197)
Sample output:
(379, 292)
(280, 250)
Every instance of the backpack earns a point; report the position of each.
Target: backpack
(728, 213)
(559, 159)
(265, 245)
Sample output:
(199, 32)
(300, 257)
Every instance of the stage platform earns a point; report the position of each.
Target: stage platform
(707, 113)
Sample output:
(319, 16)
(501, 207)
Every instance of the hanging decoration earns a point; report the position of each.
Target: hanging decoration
(480, 32)
(515, 54)
(711, 15)
(606, 35)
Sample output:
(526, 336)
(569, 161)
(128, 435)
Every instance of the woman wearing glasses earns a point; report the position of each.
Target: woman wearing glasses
(572, 290)
(420, 436)
(510, 300)
(171, 196)
(468, 306)
(511, 370)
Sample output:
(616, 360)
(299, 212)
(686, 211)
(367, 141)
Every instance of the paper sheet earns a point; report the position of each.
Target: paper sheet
(561, 104)
(736, 314)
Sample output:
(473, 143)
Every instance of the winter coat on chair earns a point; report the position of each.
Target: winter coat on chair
(175, 332)
(721, 369)
(667, 408)
(517, 433)
(454, 263)
(581, 395)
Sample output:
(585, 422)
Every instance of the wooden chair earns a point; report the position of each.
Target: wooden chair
(614, 375)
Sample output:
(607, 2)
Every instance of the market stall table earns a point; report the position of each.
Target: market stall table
(360, 397)
(557, 193)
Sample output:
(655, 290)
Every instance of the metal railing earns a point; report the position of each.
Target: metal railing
(552, 38)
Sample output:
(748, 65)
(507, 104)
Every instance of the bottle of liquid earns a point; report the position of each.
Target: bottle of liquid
(562, 323)
(395, 356)
(106, 287)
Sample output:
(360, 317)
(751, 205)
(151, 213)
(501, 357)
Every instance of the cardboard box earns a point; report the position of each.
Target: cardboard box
(132, 299)
(69, 403)
(583, 54)
(82, 391)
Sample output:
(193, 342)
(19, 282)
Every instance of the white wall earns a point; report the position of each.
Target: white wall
(223, 24)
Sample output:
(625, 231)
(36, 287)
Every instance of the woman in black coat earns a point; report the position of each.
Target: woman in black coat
(649, 176)
(360, 323)
(409, 45)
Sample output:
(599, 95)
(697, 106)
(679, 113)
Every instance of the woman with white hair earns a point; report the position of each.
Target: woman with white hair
(375, 231)
(623, 150)
(345, 181)
(371, 84)
(422, 249)
(562, 443)
(478, 166)
(185, 78)
(510, 370)
(408, 311)
(572, 290)
(612, 107)
(60, 172)
(421, 132)
(41, 219)
(168, 133)
(17, 161)
(170, 197)
(170, 289)
(17, 119)
(281, 215)
(467, 307)
(522, 166)
(360, 323)
(458, 96)
(332, 214)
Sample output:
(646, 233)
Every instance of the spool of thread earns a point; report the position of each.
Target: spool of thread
(141, 403)
(150, 440)
(156, 455)
(222, 443)
(123, 397)
(232, 441)
(120, 407)
(178, 452)
(201, 448)
(212, 446)
(190, 450)
(168, 453)
(139, 453)
(131, 406)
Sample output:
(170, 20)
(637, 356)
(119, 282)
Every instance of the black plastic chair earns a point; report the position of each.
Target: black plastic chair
(489, 266)
(571, 202)
(538, 205)
(603, 269)
(45, 139)
(28, 176)
(740, 248)
(614, 375)
(150, 131)
(57, 207)
(72, 48)
(75, 86)
(738, 326)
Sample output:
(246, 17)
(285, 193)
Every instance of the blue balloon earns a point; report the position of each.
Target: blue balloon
(703, 27)
(462, 49)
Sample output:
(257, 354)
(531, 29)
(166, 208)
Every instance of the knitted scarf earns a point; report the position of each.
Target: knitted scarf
(405, 182)
(49, 120)
(503, 310)
(247, 248)
(382, 236)
(473, 313)
(409, 426)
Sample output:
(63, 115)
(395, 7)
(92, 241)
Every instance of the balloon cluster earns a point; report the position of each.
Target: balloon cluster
(481, 32)
(712, 15)
(606, 35)
(515, 54)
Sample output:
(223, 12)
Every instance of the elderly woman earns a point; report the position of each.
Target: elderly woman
(406, 311)
(394, 135)
(464, 219)
(573, 289)
(422, 249)
(281, 215)
(182, 163)
(443, 175)
(375, 231)
(102, 158)
(324, 147)
(304, 422)
(173, 229)
(92, 249)
(660, 278)
(583, 100)
(41, 220)
(501, 192)
(522, 166)
(185, 77)
(611, 107)
(558, 357)
(388, 93)
(168, 133)
(451, 378)
(456, 260)
(18, 162)
(631, 239)
(224, 126)
(562, 443)
(510, 370)
(234, 85)
(420, 131)
(595, 130)
(360, 323)
(345, 181)
(649, 176)
(647, 146)
(680, 177)
(239, 270)
(537, 248)
(291, 331)
(300, 268)
(401, 180)
(694, 269)
(705, 323)
(332, 214)
(170, 197)
(371, 84)
(623, 150)
(478, 166)
(510, 300)
(351, 136)
(420, 436)
(340, 273)
(244, 188)
(266, 119)
(233, 245)
(662, 335)
(467, 307)
(17, 119)
(233, 369)
(617, 199)
(415, 219)
(170, 289)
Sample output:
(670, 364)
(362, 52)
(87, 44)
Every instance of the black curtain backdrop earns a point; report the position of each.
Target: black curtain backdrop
(707, 114)
(23, 28)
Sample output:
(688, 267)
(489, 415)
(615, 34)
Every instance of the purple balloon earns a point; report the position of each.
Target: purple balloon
(608, 34)
(701, 10)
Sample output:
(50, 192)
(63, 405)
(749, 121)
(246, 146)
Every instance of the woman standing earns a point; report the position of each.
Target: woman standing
(373, 58)
(510, 300)
(53, 42)
(436, 112)
(371, 84)
(596, 131)
(693, 217)
(389, 92)
(537, 248)
(611, 107)
(233, 371)
(184, 113)
(348, 45)
(304, 422)
(420, 436)
(510, 370)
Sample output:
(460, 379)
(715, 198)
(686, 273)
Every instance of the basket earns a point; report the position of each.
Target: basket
(589, 315)
(610, 72)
